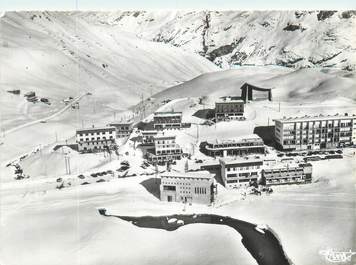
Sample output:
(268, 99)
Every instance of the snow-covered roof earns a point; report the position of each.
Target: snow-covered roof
(283, 166)
(149, 132)
(241, 160)
(228, 100)
(118, 123)
(167, 114)
(96, 129)
(315, 118)
(238, 139)
(162, 136)
(191, 174)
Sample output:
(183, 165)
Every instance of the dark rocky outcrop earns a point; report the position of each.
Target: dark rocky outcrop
(322, 15)
(348, 14)
(223, 50)
(293, 27)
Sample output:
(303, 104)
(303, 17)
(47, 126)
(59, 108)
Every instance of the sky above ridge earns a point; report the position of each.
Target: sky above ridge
(177, 4)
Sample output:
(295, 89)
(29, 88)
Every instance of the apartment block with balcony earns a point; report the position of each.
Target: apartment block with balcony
(291, 173)
(314, 133)
(238, 173)
(167, 120)
(165, 149)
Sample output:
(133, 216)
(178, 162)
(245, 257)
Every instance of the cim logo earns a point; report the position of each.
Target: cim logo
(337, 256)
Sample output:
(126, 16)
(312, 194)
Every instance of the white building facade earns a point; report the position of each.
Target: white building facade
(237, 173)
(239, 146)
(188, 187)
(165, 149)
(95, 139)
(314, 133)
(167, 120)
(123, 129)
(148, 136)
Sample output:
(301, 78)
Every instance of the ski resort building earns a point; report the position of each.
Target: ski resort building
(228, 109)
(188, 187)
(148, 137)
(95, 139)
(237, 173)
(291, 173)
(240, 172)
(165, 149)
(123, 129)
(167, 120)
(313, 133)
(239, 146)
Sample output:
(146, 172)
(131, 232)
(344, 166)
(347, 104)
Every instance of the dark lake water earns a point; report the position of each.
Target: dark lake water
(263, 245)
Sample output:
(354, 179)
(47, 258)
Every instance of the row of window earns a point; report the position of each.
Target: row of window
(235, 145)
(168, 152)
(95, 133)
(199, 190)
(243, 168)
(324, 124)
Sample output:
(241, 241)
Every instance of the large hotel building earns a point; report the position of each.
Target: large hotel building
(316, 132)
(95, 139)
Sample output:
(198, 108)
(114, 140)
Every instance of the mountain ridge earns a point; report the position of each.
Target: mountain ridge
(288, 38)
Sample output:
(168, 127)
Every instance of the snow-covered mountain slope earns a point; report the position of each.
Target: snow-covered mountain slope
(293, 85)
(59, 54)
(289, 38)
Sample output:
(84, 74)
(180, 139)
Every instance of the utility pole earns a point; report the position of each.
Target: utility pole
(69, 171)
(279, 106)
(67, 164)
(156, 172)
(197, 133)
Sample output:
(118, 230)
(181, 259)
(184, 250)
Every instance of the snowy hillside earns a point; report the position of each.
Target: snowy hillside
(304, 85)
(289, 38)
(58, 54)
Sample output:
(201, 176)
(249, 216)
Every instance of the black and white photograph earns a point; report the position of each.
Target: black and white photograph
(216, 132)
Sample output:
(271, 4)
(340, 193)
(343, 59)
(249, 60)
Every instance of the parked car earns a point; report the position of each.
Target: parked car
(81, 176)
(100, 180)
